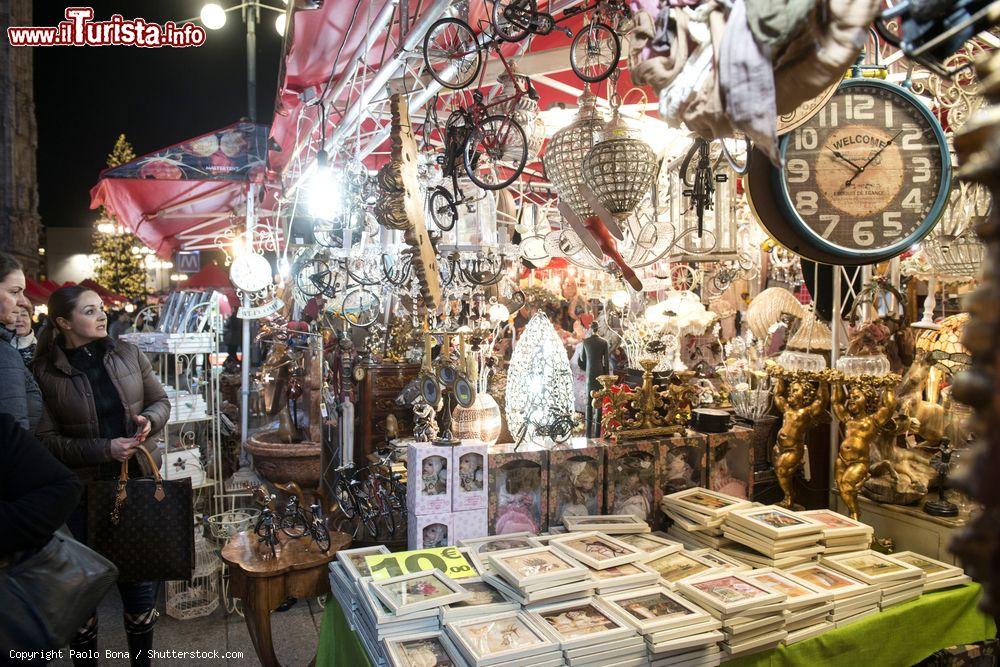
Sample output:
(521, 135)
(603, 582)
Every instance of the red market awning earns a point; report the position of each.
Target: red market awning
(36, 293)
(184, 195)
(210, 275)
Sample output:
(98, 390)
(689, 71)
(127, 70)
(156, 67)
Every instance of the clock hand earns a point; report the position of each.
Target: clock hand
(840, 155)
(875, 155)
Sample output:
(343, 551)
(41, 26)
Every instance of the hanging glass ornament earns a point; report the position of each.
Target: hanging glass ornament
(620, 168)
(568, 147)
(539, 380)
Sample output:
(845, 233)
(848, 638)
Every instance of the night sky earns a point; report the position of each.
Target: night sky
(85, 97)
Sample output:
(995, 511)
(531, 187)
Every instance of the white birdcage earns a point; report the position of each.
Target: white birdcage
(199, 596)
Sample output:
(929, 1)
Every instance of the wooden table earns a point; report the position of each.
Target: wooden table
(299, 570)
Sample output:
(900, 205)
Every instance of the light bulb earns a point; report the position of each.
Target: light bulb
(213, 16)
(105, 228)
(129, 307)
(499, 313)
(135, 250)
(620, 299)
(280, 23)
(325, 195)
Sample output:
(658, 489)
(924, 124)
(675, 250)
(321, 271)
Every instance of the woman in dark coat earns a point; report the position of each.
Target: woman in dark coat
(102, 402)
(19, 395)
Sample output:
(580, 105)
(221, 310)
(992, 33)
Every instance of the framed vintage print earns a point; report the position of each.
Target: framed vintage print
(499, 638)
(705, 502)
(774, 522)
(872, 567)
(652, 545)
(483, 599)
(382, 613)
(354, 563)
(429, 649)
(418, 591)
(522, 540)
(536, 566)
(934, 570)
(655, 608)
(721, 560)
(729, 593)
(607, 523)
(630, 575)
(838, 584)
(679, 565)
(580, 623)
(596, 549)
(798, 592)
(837, 525)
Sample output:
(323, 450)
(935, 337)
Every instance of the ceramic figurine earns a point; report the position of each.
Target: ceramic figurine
(425, 427)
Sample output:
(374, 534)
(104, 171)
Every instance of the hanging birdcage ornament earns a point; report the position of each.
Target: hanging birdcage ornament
(620, 168)
(566, 150)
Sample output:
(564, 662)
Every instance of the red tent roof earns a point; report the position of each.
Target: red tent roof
(210, 275)
(36, 293)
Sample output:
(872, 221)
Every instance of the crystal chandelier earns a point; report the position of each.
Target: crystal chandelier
(620, 168)
(566, 151)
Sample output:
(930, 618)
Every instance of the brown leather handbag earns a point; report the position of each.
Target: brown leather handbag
(143, 525)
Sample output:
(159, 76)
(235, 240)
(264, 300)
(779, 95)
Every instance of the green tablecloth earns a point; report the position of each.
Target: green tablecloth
(903, 635)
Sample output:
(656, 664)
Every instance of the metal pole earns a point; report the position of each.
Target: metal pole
(250, 14)
(245, 346)
(834, 355)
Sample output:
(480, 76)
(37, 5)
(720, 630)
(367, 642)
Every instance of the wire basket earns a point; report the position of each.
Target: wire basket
(199, 596)
(227, 524)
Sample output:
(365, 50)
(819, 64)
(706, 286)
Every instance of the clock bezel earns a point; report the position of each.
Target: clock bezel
(880, 253)
(242, 264)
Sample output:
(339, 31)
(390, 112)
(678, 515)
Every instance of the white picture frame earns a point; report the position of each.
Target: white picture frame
(879, 569)
(721, 561)
(610, 524)
(678, 566)
(354, 563)
(729, 592)
(529, 540)
(577, 623)
(399, 649)
(499, 638)
(934, 570)
(769, 519)
(704, 502)
(798, 592)
(539, 565)
(381, 613)
(475, 605)
(651, 544)
(824, 578)
(629, 575)
(596, 549)
(400, 594)
(836, 525)
(655, 608)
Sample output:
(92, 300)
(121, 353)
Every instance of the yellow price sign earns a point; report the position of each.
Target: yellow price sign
(448, 560)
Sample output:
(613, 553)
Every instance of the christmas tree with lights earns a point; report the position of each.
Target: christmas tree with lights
(119, 262)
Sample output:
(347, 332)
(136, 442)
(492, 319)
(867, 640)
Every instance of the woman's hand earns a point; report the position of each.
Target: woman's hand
(143, 427)
(122, 449)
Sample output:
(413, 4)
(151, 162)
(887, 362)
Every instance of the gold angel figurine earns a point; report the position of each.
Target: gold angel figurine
(802, 406)
(863, 415)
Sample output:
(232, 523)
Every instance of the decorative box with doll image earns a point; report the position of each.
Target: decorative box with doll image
(730, 462)
(468, 476)
(518, 480)
(469, 525)
(680, 462)
(430, 531)
(631, 479)
(576, 480)
(428, 488)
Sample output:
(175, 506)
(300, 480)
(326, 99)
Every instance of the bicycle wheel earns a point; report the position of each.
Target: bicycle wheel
(385, 510)
(512, 18)
(313, 278)
(321, 535)
(451, 53)
(496, 152)
(444, 213)
(345, 498)
(367, 514)
(294, 526)
(360, 306)
(595, 52)
(398, 497)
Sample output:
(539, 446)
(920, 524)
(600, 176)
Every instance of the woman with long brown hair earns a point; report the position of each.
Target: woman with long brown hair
(102, 402)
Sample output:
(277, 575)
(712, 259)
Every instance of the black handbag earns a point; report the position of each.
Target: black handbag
(143, 525)
(46, 595)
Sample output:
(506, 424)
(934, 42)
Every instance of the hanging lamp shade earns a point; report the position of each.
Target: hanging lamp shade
(539, 380)
(620, 168)
(566, 150)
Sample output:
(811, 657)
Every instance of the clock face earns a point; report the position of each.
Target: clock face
(250, 272)
(867, 175)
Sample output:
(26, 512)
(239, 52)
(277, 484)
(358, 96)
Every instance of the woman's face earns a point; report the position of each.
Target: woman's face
(88, 321)
(22, 321)
(12, 296)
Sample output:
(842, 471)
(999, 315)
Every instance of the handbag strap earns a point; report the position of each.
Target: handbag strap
(120, 492)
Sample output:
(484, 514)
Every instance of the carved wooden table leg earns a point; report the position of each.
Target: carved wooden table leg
(257, 614)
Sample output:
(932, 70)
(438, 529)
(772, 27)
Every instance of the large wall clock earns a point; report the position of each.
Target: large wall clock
(862, 180)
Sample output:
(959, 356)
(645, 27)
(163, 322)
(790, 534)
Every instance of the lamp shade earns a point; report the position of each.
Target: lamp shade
(539, 381)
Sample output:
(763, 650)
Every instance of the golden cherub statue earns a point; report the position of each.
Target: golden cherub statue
(802, 404)
(863, 414)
